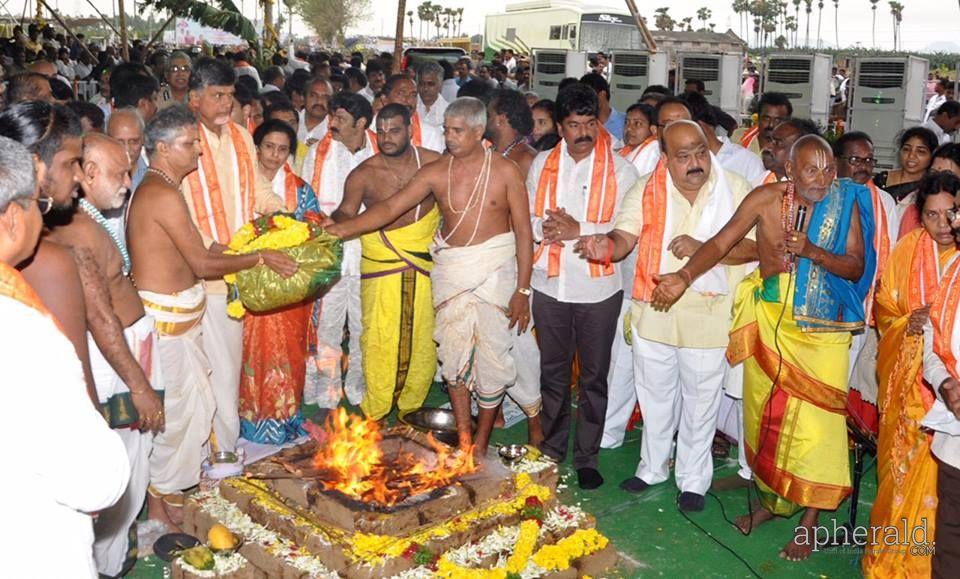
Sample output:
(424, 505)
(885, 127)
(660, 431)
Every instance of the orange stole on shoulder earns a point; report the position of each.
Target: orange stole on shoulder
(600, 205)
(416, 136)
(650, 240)
(749, 136)
(290, 184)
(14, 286)
(626, 151)
(323, 147)
(201, 192)
(881, 241)
(372, 137)
(943, 314)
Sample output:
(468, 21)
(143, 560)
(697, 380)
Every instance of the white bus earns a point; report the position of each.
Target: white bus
(562, 24)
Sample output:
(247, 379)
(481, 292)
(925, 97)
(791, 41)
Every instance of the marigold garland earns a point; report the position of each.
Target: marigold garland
(558, 557)
(271, 232)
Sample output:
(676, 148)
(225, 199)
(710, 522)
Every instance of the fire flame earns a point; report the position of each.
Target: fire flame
(350, 460)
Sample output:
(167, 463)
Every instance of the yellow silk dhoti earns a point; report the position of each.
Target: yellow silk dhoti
(395, 297)
(795, 430)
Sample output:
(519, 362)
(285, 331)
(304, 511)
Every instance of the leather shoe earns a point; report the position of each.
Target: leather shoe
(589, 478)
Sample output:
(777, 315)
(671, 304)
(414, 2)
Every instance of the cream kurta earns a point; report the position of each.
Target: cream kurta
(225, 160)
(696, 320)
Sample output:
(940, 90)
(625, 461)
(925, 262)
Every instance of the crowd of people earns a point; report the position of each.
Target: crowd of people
(754, 285)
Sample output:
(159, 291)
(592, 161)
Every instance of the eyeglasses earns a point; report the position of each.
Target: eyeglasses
(854, 160)
(950, 214)
(44, 204)
(178, 68)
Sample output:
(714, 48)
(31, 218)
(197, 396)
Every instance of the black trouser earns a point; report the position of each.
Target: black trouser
(946, 558)
(587, 329)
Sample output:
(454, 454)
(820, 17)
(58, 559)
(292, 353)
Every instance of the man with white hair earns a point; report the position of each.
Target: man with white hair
(430, 103)
(401, 89)
(791, 331)
(678, 355)
(121, 337)
(126, 125)
(40, 364)
(482, 258)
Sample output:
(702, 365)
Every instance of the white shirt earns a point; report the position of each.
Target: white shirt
(932, 105)
(367, 93)
(942, 137)
(449, 90)
(66, 70)
(739, 160)
(511, 65)
(337, 167)
(315, 134)
(945, 446)
(646, 160)
(433, 115)
(58, 471)
(574, 284)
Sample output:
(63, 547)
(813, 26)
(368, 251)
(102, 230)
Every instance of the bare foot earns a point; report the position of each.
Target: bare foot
(158, 512)
(534, 431)
(759, 516)
(804, 539)
(499, 422)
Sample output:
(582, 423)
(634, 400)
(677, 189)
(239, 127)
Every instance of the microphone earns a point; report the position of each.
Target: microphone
(798, 224)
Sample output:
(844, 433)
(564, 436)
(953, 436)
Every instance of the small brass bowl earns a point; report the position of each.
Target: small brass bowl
(225, 457)
(511, 453)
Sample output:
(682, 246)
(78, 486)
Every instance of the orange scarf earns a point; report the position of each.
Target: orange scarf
(771, 177)
(749, 136)
(600, 206)
(417, 137)
(881, 241)
(15, 287)
(943, 314)
(290, 184)
(372, 137)
(323, 147)
(213, 222)
(627, 150)
(650, 240)
(925, 262)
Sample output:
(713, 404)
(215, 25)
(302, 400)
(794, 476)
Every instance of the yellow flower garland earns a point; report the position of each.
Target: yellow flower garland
(558, 557)
(285, 233)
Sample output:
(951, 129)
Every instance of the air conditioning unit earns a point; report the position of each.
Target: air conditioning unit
(550, 66)
(887, 98)
(805, 80)
(720, 74)
(632, 71)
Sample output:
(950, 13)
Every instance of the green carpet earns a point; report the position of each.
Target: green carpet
(654, 538)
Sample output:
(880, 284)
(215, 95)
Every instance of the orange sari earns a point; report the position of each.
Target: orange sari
(906, 470)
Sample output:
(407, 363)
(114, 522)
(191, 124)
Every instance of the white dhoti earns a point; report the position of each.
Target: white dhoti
(525, 392)
(621, 390)
(679, 391)
(472, 287)
(112, 527)
(223, 344)
(325, 384)
(189, 403)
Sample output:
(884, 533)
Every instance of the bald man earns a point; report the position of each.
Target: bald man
(121, 337)
(126, 125)
(819, 265)
(678, 355)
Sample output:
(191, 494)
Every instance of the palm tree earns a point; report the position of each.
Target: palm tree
(410, 18)
(423, 14)
(809, 10)
(896, 10)
(819, 20)
(704, 14)
(663, 19)
(687, 23)
(836, 21)
(791, 27)
(796, 19)
(459, 19)
(873, 7)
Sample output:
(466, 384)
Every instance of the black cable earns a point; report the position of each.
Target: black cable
(716, 540)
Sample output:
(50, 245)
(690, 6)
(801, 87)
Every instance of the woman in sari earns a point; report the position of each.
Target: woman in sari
(275, 343)
(915, 146)
(906, 470)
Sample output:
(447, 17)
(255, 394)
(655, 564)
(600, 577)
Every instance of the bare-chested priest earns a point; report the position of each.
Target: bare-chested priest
(121, 337)
(53, 136)
(169, 261)
(482, 262)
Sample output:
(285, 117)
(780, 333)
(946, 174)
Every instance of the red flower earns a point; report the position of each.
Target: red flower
(534, 502)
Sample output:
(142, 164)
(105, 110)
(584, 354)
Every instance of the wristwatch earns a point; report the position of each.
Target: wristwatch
(525, 291)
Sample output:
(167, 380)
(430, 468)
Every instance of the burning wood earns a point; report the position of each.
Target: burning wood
(350, 459)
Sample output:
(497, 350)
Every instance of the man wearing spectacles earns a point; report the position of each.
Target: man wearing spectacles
(855, 161)
(178, 78)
